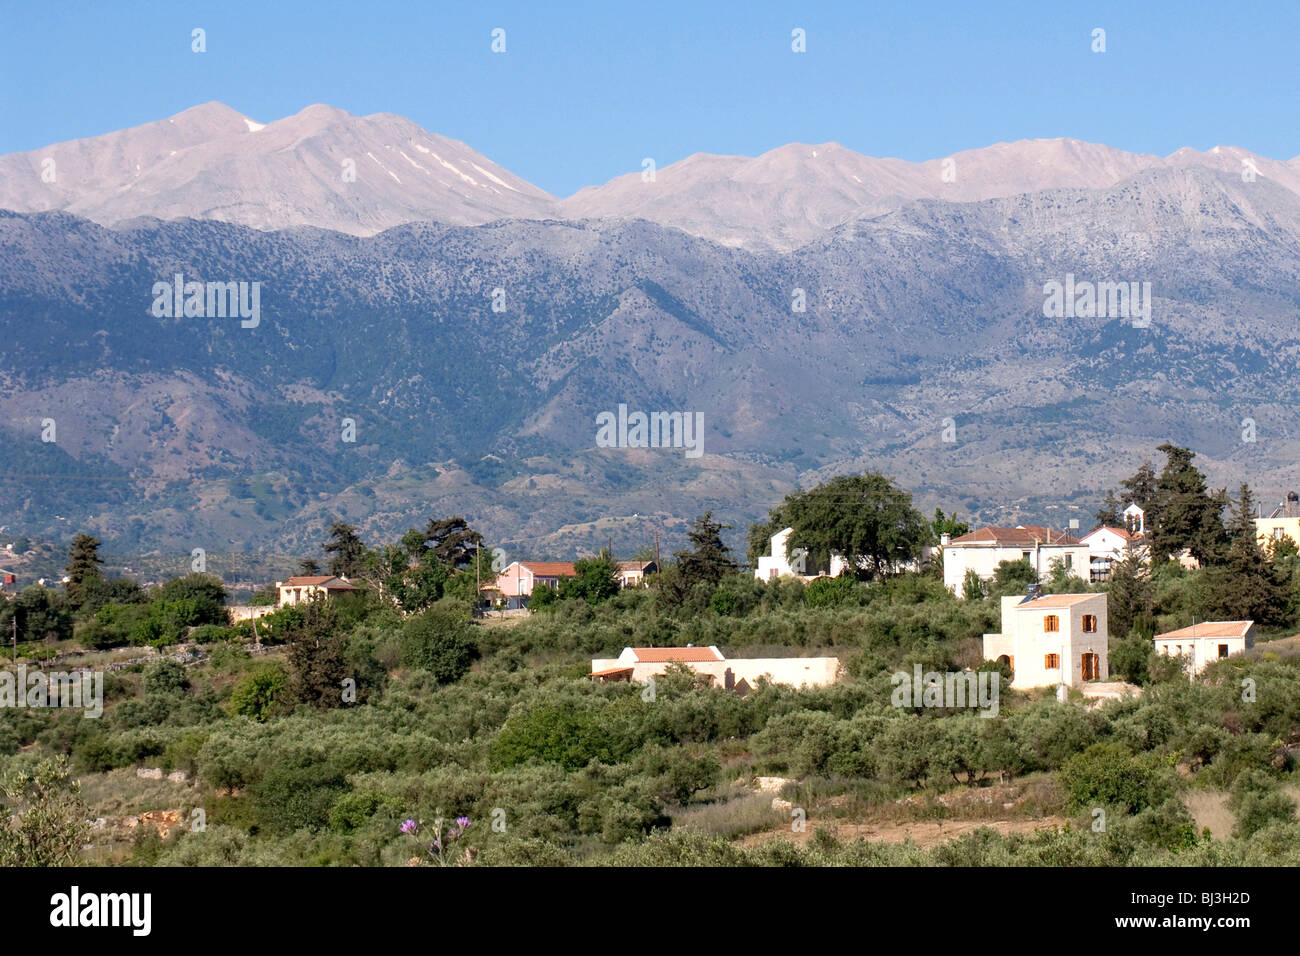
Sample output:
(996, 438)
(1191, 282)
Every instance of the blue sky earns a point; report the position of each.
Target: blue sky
(584, 91)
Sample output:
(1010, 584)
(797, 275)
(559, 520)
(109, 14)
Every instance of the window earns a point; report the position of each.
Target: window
(1051, 623)
(1223, 650)
(1052, 661)
(1024, 555)
(1090, 623)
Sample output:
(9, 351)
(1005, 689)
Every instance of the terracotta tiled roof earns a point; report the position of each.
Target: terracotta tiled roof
(1013, 537)
(1122, 532)
(327, 581)
(1056, 600)
(550, 569)
(611, 671)
(1211, 629)
(685, 655)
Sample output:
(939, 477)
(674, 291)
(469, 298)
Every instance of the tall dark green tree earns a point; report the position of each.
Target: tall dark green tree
(1130, 595)
(1247, 586)
(316, 651)
(708, 559)
(1141, 488)
(452, 541)
(83, 567)
(346, 551)
(1110, 514)
(866, 519)
(1184, 513)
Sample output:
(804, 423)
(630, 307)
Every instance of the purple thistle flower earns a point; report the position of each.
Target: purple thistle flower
(435, 846)
(462, 822)
(409, 826)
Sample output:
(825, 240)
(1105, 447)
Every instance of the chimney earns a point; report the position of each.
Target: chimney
(945, 540)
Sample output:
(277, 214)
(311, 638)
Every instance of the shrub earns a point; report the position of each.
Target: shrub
(1109, 775)
(257, 694)
(440, 641)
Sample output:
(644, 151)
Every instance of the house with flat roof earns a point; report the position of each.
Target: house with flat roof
(1283, 521)
(983, 550)
(1051, 639)
(639, 664)
(1206, 642)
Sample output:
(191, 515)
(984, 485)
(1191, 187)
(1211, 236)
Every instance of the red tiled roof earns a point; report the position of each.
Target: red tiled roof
(611, 671)
(550, 569)
(1211, 629)
(684, 655)
(1122, 532)
(327, 581)
(1026, 535)
(1056, 601)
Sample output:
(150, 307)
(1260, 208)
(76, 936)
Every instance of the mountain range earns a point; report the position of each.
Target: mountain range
(326, 168)
(824, 311)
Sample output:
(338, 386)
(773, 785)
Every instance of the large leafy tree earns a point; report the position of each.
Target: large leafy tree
(42, 615)
(452, 541)
(947, 524)
(83, 567)
(596, 580)
(866, 519)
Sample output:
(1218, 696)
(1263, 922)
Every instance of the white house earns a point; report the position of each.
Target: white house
(634, 574)
(1206, 642)
(1107, 548)
(983, 550)
(302, 589)
(778, 565)
(799, 563)
(741, 674)
(1051, 639)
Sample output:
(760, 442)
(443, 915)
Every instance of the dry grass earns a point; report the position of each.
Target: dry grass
(120, 793)
(1209, 808)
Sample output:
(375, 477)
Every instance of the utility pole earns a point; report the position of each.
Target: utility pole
(659, 570)
(14, 622)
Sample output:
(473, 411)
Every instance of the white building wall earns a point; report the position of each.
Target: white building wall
(1029, 643)
(984, 561)
(1202, 651)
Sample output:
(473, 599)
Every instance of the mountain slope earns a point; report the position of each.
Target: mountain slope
(321, 167)
(183, 430)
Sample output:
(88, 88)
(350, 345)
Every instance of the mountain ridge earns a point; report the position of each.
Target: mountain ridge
(213, 162)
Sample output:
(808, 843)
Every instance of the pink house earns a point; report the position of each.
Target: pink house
(515, 583)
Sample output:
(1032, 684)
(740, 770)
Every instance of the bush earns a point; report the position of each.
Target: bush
(440, 641)
(1258, 802)
(257, 694)
(1109, 775)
